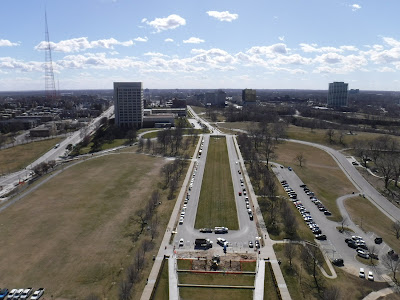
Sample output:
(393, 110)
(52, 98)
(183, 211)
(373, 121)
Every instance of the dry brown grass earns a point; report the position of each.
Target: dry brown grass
(18, 157)
(71, 236)
(320, 172)
(372, 219)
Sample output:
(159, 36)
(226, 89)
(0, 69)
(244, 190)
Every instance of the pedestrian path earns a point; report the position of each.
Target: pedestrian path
(259, 282)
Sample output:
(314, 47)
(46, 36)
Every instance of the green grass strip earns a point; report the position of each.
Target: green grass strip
(217, 205)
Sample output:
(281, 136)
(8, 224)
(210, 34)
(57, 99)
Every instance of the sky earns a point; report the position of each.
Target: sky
(261, 44)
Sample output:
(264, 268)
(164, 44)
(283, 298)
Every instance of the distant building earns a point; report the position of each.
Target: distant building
(354, 91)
(249, 97)
(128, 104)
(220, 98)
(337, 94)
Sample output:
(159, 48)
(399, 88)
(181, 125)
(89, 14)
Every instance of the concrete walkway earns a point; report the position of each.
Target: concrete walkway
(378, 294)
(172, 278)
(259, 282)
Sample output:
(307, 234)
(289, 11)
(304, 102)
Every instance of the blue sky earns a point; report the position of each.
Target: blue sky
(285, 44)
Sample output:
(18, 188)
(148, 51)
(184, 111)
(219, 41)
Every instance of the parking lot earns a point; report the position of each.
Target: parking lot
(315, 215)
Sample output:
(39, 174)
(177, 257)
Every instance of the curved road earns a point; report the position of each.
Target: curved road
(363, 186)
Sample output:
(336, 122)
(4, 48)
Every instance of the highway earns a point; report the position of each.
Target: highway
(9, 181)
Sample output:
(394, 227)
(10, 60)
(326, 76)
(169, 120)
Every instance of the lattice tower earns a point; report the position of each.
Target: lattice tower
(50, 87)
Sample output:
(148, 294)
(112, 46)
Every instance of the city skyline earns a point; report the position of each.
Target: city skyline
(229, 44)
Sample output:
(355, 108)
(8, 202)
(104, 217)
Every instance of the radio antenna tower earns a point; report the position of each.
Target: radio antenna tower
(50, 87)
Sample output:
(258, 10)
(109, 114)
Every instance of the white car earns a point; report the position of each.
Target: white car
(362, 253)
(11, 294)
(361, 274)
(37, 294)
(18, 294)
(26, 293)
(181, 221)
(221, 241)
(370, 276)
(181, 242)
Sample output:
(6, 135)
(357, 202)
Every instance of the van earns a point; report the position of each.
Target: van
(361, 274)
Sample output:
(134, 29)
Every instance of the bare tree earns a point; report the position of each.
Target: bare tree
(148, 144)
(384, 164)
(141, 219)
(343, 223)
(330, 133)
(92, 297)
(132, 274)
(396, 229)
(124, 290)
(290, 251)
(331, 293)
(341, 137)
(390, 263)
(140, 145)
(300, 159)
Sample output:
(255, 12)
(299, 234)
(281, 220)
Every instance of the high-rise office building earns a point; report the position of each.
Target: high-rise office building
(249, 97)
(337, 94)
(128, 104)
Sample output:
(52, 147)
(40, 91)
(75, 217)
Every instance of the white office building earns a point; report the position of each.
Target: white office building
(128, 104)
(337, 94)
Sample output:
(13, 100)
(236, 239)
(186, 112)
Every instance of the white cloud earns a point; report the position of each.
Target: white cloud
(223, 15)
(349, 48)
(140, 39)
(168, 40)
(7, 43)
(114, 52)
(155, 54)
(9, 63)
(314, 48)
(386, 69)
(170, 22)
(143, 20)
(355, 7)
(269, 51)
(81, 44)
(281, 38)
(193, 40)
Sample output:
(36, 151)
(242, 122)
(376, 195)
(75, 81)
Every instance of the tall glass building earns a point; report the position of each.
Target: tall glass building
(337, 94)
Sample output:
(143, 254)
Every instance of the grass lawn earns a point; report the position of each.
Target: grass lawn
(319, 136)
(18, 157)
(249, 266)
(269, 287)
(238, 125)
(217, 279)
(372, 220)
(192, 293)
(301, 285)
(162, 290)
(217, 201)
(77, 227)
(184, 264)
(198, 109)
(320, 172)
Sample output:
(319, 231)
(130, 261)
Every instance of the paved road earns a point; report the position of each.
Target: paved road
(9, 181)
(238, 239)
(389, 209)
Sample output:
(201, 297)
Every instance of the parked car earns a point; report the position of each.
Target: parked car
(338, 262)
(37, 294)
(221, 241)
(321, 237)
(18, 294)
(3, 293)
(257, 243)
(251, 244)
(370, 276)
(361, 274)
(378, 240)
(362, 253)
(181, 242)
(11, 294)
(206, 230)
(290, 169)
(26, 293)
